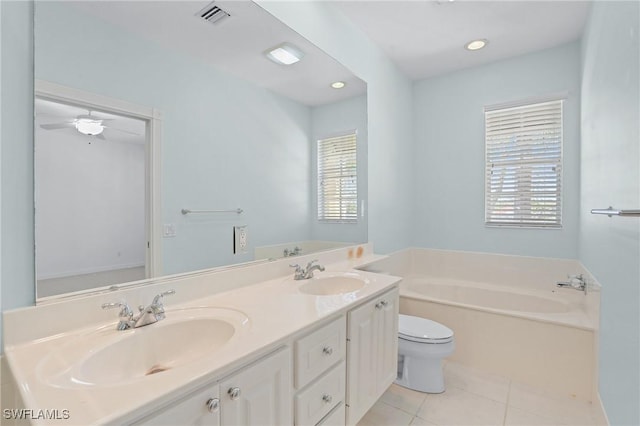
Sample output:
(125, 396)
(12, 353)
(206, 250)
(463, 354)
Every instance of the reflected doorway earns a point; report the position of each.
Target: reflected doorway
(91, 197)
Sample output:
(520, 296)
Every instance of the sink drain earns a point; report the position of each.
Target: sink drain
(156, 369)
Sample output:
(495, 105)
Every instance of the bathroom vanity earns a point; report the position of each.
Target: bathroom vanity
(276, 352)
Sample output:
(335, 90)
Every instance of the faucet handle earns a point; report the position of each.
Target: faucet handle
(157, 299)
(299, 273)
(125, 316)
(125, 310)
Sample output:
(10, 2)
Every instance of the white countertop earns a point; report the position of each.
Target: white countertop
(276, 311)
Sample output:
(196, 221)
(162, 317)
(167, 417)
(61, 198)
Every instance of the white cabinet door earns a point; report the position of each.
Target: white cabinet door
(388, 341)
(259, 394)
(372, 353)
(362, 361)
(200, 408)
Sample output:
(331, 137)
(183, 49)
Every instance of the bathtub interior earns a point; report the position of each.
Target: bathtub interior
(515, 274)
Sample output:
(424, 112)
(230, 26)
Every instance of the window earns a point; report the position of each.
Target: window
(337, 179)
(523, 147)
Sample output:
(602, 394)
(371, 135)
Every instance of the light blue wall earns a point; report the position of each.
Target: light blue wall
(610, 170)
(326, 121)
(449, 162)
(226, 143)
(16, 152)
(389, 104)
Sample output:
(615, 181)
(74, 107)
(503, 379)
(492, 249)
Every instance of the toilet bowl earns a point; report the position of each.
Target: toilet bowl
(422, 345)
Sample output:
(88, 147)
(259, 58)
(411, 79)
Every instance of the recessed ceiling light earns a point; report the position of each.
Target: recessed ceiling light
(338, 84)
(284, 54)
(476, 44)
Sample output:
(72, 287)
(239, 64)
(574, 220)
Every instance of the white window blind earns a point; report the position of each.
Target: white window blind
(337, 179)
(523, 147)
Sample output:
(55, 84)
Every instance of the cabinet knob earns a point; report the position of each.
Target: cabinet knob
(234, 393)
(213, 404)
(379, 305)
(327, 350)
(327, 398)
(384, 303)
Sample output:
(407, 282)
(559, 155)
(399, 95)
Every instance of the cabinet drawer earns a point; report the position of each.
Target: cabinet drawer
(318, 351)
(315, 402)
(195, 409)
(335, 418)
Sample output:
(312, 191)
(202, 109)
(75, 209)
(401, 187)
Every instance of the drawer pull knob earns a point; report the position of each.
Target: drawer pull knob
(327, 398)
(327, 350)
(213, 404)
(379, 305)
(384, 303)
(234, 393)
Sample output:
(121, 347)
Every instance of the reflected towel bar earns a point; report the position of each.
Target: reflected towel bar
(612, 212)
(187, 211)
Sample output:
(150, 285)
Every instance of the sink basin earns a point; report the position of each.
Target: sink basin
(112, 357)
(332, 285)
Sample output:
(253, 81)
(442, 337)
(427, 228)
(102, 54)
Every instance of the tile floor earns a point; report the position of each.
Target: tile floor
(474, 397)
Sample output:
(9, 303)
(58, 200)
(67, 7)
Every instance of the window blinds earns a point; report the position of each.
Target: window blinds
(337, 179)
(523, 147)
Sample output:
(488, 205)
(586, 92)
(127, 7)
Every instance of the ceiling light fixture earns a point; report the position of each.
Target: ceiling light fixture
(89, 127)
(284, 54)
(476, 44)
(338, 84)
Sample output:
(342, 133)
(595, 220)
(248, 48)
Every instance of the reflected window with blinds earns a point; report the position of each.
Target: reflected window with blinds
(337, 179)
(523, 148)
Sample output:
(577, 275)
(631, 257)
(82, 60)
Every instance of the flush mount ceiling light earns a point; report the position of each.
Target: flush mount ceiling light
(338, 84)
(284, 54)
(89, 126)
(476, 44)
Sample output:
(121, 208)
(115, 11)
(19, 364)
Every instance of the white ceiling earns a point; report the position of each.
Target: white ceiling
(234, 45)
(423, 37)
(427, 37)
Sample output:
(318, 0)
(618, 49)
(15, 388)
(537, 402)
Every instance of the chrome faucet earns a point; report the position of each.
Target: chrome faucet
(125, 316)
(306, 273)
(152, 313)
(576, 282)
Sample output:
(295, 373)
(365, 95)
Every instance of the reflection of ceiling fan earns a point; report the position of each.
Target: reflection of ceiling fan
(86, 124)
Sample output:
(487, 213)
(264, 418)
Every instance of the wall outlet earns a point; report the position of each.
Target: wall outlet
(169, 230)
(240, 239)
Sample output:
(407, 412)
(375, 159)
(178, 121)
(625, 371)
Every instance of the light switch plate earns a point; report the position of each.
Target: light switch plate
(240, 239)
(169, 230)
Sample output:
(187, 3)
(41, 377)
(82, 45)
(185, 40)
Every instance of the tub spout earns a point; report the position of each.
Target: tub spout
(576, 282)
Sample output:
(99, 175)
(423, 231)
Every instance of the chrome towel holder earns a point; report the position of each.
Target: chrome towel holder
(188, 211)
(615, 212)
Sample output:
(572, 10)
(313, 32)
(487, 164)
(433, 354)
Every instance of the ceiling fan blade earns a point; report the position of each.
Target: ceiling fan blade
(56, 126)
(123, 131)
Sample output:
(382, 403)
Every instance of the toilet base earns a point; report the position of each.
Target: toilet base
(426, 374)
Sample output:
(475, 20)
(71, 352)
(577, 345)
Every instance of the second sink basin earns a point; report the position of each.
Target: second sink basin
(332, 285)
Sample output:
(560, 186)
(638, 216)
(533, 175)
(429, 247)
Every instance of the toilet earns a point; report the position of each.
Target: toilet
(422, 345)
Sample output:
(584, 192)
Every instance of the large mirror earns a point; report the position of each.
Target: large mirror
(167, 140)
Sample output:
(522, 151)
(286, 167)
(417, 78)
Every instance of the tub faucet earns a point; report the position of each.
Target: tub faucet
(576, 282)
(152, 313)
(306, 273)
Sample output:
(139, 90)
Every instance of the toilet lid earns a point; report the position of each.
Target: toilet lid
(423, 330)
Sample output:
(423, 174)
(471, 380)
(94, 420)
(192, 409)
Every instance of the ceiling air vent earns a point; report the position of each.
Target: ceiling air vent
(212, 13)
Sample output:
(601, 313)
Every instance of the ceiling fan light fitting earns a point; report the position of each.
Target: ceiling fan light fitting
(89, 127)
